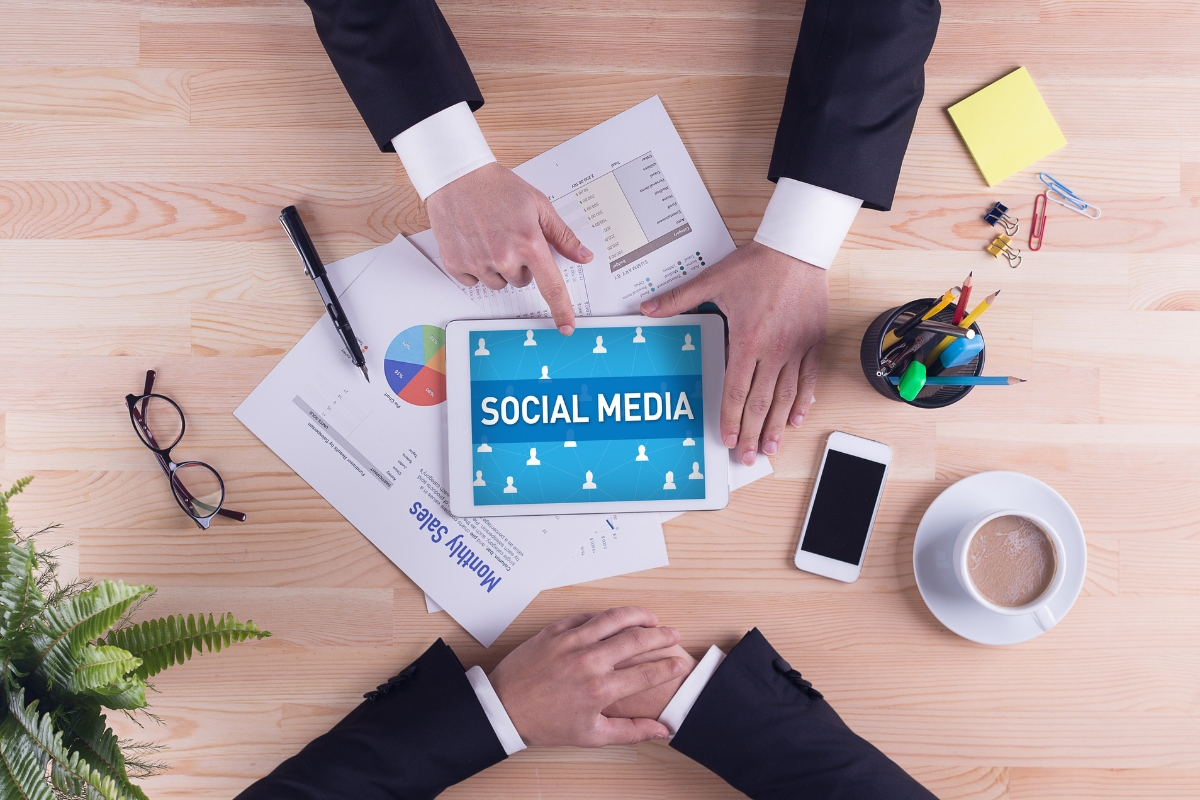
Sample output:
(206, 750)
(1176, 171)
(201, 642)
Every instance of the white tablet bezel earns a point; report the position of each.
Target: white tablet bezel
(458, 403)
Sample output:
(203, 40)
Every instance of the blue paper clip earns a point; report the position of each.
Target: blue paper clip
(999, 213)
(1068, 198)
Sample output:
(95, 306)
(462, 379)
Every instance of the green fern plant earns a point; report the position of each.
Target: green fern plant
(68, 653)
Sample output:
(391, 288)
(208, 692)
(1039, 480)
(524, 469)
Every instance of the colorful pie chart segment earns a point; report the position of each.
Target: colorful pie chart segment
(415, 365)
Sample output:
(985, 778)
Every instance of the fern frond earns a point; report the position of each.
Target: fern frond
(98, 666)
(22, 771)
(18, 486)
(127, 694)
(64, 628)
(20, 597)
(141, 758)
(6, 523)
(73, 772)
(162, 643)
(87, 733)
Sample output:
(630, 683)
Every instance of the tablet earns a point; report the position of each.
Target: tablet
(623, 415)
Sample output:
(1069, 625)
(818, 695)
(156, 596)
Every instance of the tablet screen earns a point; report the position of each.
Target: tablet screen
(607, 414)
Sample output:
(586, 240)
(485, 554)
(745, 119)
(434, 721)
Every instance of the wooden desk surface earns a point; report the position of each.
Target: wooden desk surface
(146, 147)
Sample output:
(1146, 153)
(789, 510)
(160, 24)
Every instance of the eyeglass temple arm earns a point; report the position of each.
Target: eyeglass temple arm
(231, 514)
(149, 388)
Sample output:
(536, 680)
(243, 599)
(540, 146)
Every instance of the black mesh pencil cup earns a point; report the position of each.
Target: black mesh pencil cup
(871, 353)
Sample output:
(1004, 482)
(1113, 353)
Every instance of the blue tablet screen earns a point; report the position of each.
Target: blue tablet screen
(605, 414)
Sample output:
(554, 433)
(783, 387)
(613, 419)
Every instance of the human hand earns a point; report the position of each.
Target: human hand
(492, 227)
(555, 685)
(651, 702)
(776, 306)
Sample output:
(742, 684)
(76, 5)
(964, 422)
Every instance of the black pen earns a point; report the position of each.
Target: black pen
(289, 218)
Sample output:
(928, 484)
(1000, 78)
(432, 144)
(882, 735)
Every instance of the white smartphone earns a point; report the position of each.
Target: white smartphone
(841, 511)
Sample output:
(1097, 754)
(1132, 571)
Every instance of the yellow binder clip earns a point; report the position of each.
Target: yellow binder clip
(1002, 246)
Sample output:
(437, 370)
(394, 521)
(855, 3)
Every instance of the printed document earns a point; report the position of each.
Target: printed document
(629, 190)
(377, 451)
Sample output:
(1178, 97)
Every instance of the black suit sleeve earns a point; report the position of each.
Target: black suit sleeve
(398, 60)
(857, 78)
(415, 735)
(766, 731)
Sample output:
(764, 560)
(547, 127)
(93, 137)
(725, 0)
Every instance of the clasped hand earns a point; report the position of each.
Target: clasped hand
(593, 679)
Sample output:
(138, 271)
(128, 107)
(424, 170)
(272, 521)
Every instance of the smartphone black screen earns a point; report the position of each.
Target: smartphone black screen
(841, 513)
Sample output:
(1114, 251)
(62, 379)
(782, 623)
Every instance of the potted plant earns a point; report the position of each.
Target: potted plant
(68, 653)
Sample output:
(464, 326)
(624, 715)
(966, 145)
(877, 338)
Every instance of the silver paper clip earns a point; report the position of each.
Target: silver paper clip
(1068, 198)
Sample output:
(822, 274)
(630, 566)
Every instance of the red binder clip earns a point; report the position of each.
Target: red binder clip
(1038, 229)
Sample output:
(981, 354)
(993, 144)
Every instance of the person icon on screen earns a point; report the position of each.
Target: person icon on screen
(570, 443)
(687, 342)
(639, 339)
(479, 481)
(484, 448)
(529, 342)
(545, 374)
(689, 442)
(696, 475)
(599, 348)
(670, 484)
(533, 459)
(641, 456)
(482, 350)
(510, 489)
(588, 483)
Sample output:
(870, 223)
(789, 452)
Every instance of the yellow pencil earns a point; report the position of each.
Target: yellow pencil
(966, 323)
(979, 309)
(891, 338)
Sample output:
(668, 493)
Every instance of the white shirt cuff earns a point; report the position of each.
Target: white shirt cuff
(442, 148)
(687, 694)
(807, 222)
(506, 732)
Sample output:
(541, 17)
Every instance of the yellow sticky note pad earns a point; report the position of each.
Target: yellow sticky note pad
(1007, 126)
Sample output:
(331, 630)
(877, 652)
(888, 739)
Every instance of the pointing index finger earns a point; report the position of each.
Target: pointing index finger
(553, 288)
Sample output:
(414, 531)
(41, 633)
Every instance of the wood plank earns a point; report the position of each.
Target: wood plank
(69, 34)
(353, 214)
(1098, 783)
(93, 95)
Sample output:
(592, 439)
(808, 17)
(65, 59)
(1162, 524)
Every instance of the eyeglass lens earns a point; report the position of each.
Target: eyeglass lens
(162, 422)
(198, 488)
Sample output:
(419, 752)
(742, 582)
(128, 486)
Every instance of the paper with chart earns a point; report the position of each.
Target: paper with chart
(377, 452)
(629, 190)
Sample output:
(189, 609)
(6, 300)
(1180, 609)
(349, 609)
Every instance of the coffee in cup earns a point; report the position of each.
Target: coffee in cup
(1011, 561)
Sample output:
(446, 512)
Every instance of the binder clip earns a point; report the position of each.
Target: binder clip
(1002, 246)
(1066, 198)
(999, 213)
(1039, 222)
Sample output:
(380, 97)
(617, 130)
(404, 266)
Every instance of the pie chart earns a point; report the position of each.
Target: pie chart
(415, 364)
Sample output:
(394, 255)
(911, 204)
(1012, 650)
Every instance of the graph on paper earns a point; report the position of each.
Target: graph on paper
(633, 206)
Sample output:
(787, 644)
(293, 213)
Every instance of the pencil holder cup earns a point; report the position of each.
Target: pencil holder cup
(871, 353)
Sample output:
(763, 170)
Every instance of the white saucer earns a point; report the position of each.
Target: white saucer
(934, 547)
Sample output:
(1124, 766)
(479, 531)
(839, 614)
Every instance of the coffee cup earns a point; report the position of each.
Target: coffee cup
(1012, 563)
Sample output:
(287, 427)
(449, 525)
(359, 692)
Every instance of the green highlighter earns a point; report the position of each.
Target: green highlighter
(913, 380)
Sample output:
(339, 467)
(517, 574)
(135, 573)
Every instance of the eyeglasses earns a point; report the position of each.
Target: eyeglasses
(196, 486)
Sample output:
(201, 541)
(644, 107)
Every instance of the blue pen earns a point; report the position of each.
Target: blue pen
(968, 380)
